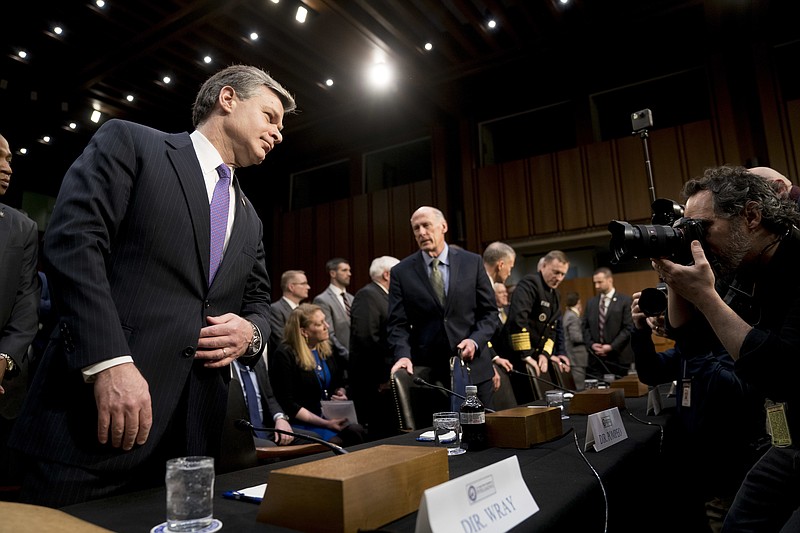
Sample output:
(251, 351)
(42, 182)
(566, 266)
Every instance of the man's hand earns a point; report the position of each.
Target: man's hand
(403, 362)
(693, 283)
(467, 349)
(224, 340)
(503, 363)
(562, 361)
(3, 364)
(337, 424)
(495, 380)
(283, 440)
(339, 394)
(639, 318)
(124, 407)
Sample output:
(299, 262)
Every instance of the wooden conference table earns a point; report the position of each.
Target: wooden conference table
(566, 490)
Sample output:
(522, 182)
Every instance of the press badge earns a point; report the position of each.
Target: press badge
(686, 392)
(778, 425)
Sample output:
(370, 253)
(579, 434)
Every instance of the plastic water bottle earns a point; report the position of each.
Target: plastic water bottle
(473, 422)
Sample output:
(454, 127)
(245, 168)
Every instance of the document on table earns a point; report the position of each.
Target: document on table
(339, 409)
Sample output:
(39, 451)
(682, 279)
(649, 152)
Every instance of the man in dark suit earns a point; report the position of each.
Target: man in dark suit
(441, 306)
(370, 356)
(19, 302)
(610, 343)
(294, 289)
(157, 270)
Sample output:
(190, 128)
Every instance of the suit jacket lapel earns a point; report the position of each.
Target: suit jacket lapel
(5, 229)
(190, 175)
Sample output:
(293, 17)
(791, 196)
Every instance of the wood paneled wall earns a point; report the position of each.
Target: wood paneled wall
(563, 193)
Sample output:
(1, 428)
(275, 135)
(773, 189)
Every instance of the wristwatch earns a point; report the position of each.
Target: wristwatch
(255, 343)
(10, 364)
(281, 416)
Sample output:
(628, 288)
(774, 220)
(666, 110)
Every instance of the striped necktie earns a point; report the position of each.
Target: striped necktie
(437, 280)
(346, 303)
(601, 319)
(219, 219)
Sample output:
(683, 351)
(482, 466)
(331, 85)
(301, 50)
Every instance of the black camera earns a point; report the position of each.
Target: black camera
(629, 242)
(641, 120)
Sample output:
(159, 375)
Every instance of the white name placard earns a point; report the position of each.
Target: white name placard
(604, 429)
(492, 499)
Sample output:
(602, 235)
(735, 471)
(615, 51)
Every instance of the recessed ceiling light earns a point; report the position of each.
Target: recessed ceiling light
(254, 36)
(95, 116)
(301, 14)
(428, 47)
(275, 1)
(167, 80)
(492, 24)
(100, 3)
(23, 151)
(129, 98)
(73, 125)
(207, 60)
(58, 30)
(22, 54)
(329, 82)
(46, 139)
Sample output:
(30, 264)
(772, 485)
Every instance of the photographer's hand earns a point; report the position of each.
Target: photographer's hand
(639, 318)
(688, 285)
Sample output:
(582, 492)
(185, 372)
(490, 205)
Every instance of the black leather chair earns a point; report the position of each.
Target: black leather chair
(238, 449)
(536, 385)
(503, 397)
(415, 404)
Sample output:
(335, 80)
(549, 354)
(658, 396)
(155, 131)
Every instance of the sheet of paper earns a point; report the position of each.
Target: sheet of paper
(254, 492)
(339, 409)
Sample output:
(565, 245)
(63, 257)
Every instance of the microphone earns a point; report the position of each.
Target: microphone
(605, 367)
(419, 381)
(537, 378)
(245, 425)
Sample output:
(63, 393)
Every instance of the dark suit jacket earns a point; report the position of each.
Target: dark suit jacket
(19, 300)
(370, 356)
(127, 252)
(279, 312)
(421, 329)
(618, 329)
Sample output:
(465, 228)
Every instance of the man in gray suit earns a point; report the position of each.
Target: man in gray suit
(156, 262)
(19, 301)
(294, 288)
(335, 301)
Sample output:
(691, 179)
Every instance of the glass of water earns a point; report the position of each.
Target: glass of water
(190, 493)
(447, 431)
(555, 398)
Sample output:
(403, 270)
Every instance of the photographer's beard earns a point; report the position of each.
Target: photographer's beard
(728, 259)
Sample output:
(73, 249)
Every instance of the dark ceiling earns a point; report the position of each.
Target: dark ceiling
(127, 47)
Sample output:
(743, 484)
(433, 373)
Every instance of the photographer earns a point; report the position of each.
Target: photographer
(718, 431)
(753, 243)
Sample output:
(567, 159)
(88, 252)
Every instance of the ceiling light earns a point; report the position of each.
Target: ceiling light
(275, 1)
(166, 79)
(58, 30)
(129, 98)
(207, 60)
(428, 47)
(22, 54)
(95, 116)
(380, 75)
(23, 151)
(329, 82)
(46, 139)
(73, 125)
(254, 36)
(301, 14)
(492, 24)
(100, 3)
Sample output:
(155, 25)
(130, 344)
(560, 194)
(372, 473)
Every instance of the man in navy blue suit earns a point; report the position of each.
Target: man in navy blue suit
(159, 286)
(427, 327)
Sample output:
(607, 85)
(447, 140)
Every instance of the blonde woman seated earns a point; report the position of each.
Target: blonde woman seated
(306, 371)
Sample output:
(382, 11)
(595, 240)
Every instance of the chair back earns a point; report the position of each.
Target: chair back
(536, 386)
(564, 378)
(503, 397)
(238, 450)
(415, 404)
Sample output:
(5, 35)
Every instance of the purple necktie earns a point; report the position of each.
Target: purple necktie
(219, 219)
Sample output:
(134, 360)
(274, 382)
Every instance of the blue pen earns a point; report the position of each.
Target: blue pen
(236, 495)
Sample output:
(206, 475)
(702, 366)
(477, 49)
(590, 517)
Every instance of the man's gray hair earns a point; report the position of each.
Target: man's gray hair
(498, 251)
(380, 265)
(245, 80)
